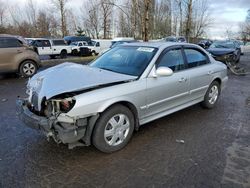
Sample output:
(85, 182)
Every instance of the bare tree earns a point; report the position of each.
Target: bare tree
(106, 7)
(245, 28)
(61, 7)
(188, 24)
(43, 24)
(161, 26)
(201, 18)
(31, 11)
(2, 12)
(180, 6)
(90, 16)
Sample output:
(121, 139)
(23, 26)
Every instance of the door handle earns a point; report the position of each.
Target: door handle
(210, 72)
(183, 80)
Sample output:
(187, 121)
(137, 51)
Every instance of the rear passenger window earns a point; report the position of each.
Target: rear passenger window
(42, 43)
(10, 43)
(59, 43)
(172, 59)
(195, 58)
(45, 43)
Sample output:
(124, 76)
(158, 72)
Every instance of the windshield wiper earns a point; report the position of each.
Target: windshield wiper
(106, 69)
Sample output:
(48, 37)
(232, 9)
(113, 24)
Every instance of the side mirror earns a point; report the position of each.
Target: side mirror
(164, 71)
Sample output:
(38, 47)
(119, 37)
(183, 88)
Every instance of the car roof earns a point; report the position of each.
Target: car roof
(158, 44)
(13, 36)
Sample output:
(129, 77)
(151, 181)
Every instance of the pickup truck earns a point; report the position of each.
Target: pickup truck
(75, 46)
(51, 47)
(97, 46)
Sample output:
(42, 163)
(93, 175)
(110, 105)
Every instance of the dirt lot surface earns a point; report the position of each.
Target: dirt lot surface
(215, 152)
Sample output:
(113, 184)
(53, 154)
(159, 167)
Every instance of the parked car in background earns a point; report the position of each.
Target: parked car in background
(51, 47)
(70, 39)
(17, 56)
(75, 46)
(241, 45)
(175, 39)
(117, 42)
(246, 47)
(29, 40)
(98, 46)
(205, 43)
(225, 51)
(128, 86)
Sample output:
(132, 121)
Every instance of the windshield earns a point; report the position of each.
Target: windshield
(92, 43)
(129, 60)
(223, 44)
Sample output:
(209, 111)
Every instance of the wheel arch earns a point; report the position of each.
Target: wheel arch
(92, 120)
(217, 79)
(64, 50)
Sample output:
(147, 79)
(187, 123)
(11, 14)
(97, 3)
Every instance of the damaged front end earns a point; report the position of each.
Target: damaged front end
(53, 121)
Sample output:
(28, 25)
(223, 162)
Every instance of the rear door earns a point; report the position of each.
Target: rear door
(43, 47)
(58, 46)
(200, 72)
(9, 49)
(166, 93)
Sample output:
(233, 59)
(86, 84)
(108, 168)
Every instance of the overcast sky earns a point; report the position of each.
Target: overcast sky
(227, 14)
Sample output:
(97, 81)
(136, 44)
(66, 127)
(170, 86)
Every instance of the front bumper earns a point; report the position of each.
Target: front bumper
(51, 127)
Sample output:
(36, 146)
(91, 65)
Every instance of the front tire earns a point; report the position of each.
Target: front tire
(27, 69)
(75, 52)
(113, 129)
(212, 95)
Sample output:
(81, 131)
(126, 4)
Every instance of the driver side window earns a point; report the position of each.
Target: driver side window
(172, 59)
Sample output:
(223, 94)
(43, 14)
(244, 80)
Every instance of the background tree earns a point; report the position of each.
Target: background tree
(90, 15)
(43, 24)
(106, 7)
(60, 5)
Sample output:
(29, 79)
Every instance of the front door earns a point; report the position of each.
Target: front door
(43, 47)
(165, 93)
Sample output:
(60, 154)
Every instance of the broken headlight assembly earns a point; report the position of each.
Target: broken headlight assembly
(56, 106)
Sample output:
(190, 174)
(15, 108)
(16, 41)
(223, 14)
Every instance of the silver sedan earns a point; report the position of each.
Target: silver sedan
(105, 102)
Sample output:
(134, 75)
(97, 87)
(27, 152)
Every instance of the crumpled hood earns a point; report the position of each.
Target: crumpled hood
(69, 77)
(220, 51)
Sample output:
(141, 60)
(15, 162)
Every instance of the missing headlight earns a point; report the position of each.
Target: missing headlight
(55, 106)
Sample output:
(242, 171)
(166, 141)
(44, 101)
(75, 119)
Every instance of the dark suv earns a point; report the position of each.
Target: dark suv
(17, 56)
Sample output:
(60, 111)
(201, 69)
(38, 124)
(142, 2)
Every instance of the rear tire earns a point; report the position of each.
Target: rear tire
(28, 68)
(212, 95)
(63, 54)
(113, 129)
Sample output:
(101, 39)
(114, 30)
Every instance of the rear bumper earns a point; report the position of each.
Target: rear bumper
(59, 131)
